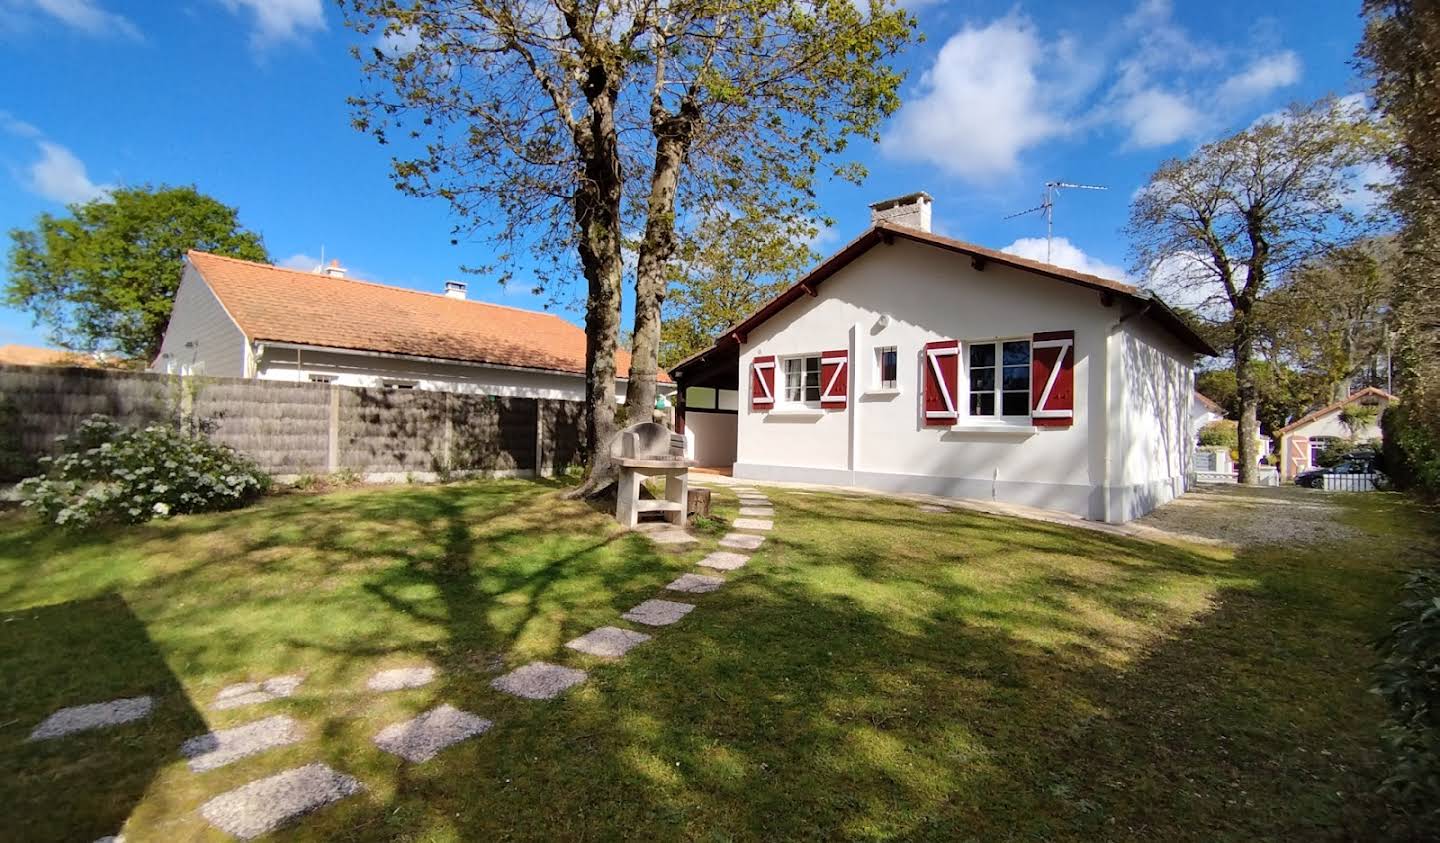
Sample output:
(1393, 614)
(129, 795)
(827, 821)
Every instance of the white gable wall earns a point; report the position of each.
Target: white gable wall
(1155, 433)
(218, 346)
(930, 295)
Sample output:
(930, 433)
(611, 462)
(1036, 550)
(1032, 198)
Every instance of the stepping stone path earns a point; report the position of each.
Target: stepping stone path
(930, 507)
(254, 693)
(422, 738)
(609, 642)
(696, 583)
(539, 681)
(216, 749)
(722, 560)
(753, 524)
(742, 541)
(81, 718)
(270, 803)
(658, 612)
(401, 679)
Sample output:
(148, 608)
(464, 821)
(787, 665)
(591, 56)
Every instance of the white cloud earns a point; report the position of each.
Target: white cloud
(398, 42)
(1263, 77)
(13, 125)
(301, 261)
(1157, 118)
(88, 16)
(60, 177)
(277, 21)
(1064, 253)
(981, 104)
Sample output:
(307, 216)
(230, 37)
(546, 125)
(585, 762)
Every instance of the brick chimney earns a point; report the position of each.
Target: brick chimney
(909, 211)
(455, 290)
(334, 269)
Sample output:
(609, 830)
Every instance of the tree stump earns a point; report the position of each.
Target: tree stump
(697, 504)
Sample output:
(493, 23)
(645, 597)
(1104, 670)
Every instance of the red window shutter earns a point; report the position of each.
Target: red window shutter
(834, 379)
(941, 382)
(762, 383)
(1052, 379)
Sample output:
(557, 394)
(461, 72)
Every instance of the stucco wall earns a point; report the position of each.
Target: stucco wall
(1156, 435)
(371, 371)
(219, 347)
(931, 295)
(713, 435)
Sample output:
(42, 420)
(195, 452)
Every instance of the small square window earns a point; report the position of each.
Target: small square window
(886, 366)
(322, 378)
(398, 384)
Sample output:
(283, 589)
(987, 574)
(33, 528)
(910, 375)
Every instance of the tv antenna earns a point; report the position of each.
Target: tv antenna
(1047, 205)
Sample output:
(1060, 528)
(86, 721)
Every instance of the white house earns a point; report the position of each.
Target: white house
(236, 318)
(1203, 411)
(913, 362)
(1305, 439)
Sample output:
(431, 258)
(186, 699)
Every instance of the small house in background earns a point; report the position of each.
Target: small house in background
(913, 362)
(237, 318)
(1203, 411)
(1305, 439)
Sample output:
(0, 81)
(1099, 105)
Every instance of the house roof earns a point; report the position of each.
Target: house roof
(979, 255)
(1330, 408)
(1208, 404)
(272, 304)
(29, 355)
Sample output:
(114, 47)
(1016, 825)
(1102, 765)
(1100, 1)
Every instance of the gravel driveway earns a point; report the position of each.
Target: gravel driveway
(1253, 515)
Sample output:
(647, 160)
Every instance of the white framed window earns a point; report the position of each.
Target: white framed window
(887, 364)
(322, 378)
(802, 380)
(999, 377)
(393, 383)
(1318, 444)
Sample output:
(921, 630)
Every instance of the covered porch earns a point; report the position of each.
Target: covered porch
(707, 406)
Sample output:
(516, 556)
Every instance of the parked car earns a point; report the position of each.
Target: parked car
(1353, 464)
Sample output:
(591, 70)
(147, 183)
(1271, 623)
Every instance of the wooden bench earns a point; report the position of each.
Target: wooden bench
(650, 450)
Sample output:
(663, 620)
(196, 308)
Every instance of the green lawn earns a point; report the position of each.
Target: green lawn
(875, 672)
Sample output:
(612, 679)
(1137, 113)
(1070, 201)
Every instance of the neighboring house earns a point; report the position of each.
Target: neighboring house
(29, 355)
(1203, 411)
(236, 318)
(912, 362)
(1305, 439)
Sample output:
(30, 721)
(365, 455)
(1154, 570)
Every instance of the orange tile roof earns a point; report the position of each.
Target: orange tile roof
(1330, 408)
(286, 305)
(29, 355)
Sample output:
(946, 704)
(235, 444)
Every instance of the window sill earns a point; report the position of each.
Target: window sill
(1000, 428)
(797, 412)
(880, 393)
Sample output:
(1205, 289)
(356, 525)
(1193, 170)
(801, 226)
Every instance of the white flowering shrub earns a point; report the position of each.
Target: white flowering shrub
(109, 473)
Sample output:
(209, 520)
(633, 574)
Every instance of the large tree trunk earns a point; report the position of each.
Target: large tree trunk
(597, 218)
(671, 144)
(1246, 389)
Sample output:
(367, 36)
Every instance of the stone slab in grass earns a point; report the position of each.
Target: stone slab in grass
(722, 560)
(610, 642)
(539, 681)
(753, 524)
(401, 678)
(226, 746)
(254, 693)
(752, 496)
(663, 532)
(696, 583)
(82, 718)
(930, 507)
(658, 612)
(266, 804)
(758, 511)
(742, 541)
(423, 737)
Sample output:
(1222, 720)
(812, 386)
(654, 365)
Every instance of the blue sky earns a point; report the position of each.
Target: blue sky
(246, 100)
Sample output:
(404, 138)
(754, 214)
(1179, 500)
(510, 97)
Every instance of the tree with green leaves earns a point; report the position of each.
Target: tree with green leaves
(562, 127)
(103, 278)
(724, 271)
(1401, 55)
(1226, 223)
